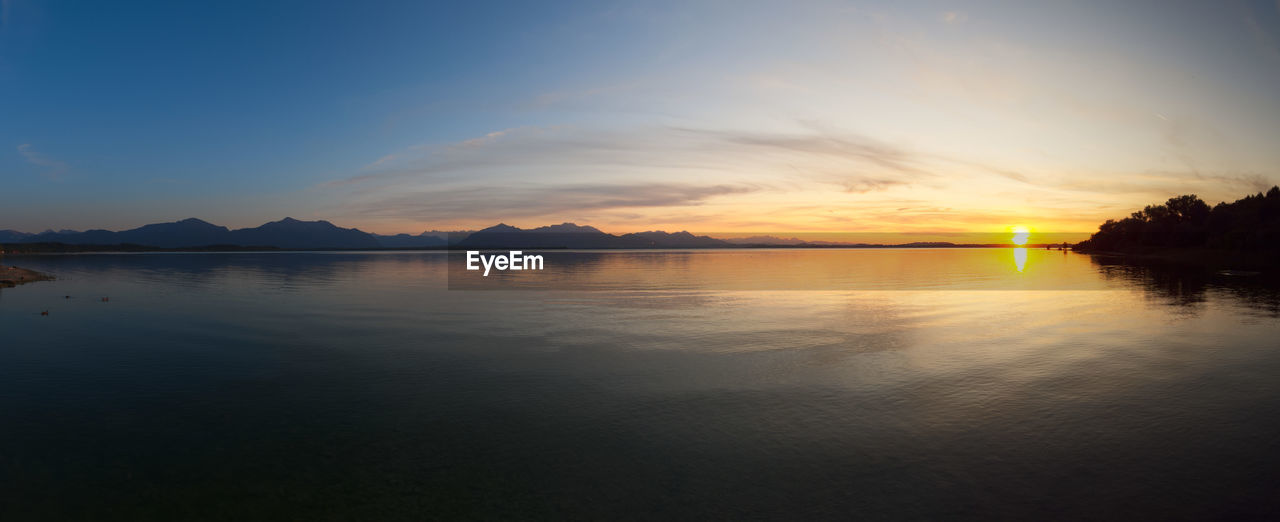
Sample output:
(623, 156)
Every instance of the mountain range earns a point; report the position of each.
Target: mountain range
(287, 233)
(569, 235)
(290, 233)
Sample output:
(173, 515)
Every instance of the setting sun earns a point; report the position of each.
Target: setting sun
(1020, 235)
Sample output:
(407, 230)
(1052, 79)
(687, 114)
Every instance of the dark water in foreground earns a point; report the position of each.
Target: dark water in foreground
(346, 386)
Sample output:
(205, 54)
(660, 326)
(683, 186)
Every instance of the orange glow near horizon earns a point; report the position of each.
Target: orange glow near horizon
(1021, 235)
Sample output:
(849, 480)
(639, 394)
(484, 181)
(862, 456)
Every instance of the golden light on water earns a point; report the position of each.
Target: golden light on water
(1020, 235)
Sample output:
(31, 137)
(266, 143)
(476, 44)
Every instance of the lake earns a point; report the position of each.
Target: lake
(727, 384)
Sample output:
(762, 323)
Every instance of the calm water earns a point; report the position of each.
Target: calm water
(916, 384)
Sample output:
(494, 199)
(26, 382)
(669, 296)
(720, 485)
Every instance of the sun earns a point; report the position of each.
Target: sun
(1020, 235)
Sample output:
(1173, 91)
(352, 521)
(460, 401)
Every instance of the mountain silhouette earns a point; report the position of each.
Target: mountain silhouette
(290, 233)
(569, 235)
(660, 239)
(564, 235)
(13, 236)
(192, 232)
(425, 239)
(185, 233)
(767, 240)
(188, 232)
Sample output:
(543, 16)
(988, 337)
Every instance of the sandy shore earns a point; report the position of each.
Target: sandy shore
(11, 276)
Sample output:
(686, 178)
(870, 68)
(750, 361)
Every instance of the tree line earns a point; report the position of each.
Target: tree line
(1248, 224)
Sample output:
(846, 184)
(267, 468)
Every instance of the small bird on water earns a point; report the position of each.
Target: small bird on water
(46, 312)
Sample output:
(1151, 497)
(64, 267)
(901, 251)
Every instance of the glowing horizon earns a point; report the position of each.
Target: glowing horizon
(821, 117)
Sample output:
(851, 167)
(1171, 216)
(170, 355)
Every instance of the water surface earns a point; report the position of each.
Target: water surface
(780, 384)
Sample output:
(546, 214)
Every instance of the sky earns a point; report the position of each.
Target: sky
(718, 116)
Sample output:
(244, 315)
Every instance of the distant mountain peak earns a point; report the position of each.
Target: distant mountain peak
(568, 228)
(766, 240)
(502, 227)
(298, 222)
(681, 239)
(681, 234)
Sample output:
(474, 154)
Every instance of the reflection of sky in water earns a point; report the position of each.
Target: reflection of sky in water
(797, 269)
(271, 377)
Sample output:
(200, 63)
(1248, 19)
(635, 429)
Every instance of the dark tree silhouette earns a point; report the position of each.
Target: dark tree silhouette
(1249, 224)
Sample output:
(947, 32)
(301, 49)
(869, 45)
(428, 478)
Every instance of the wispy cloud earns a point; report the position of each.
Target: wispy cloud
(52, 167)
(487, 138)
(508, 202)
(544, 171)
(865, 185)
(846, 147)
(684, 174)
(381, 161)
(844, 160)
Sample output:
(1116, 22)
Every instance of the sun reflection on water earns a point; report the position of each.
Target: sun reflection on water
(1020, 258)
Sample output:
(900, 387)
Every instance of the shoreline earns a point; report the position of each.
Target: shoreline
(11, 276)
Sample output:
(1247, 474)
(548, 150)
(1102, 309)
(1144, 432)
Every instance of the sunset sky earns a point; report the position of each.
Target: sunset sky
(706, 116)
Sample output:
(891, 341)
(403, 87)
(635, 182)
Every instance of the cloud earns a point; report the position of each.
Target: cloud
(381, 161)
(684, 174)
(576, 173)
(572, 154)
(485, 140)
(52, 168)
(953, 17)
(846, 147)
(863, 185)
(662, 172)
(512, 202)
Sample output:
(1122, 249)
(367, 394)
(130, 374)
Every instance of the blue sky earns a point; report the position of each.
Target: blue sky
(804, 116)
